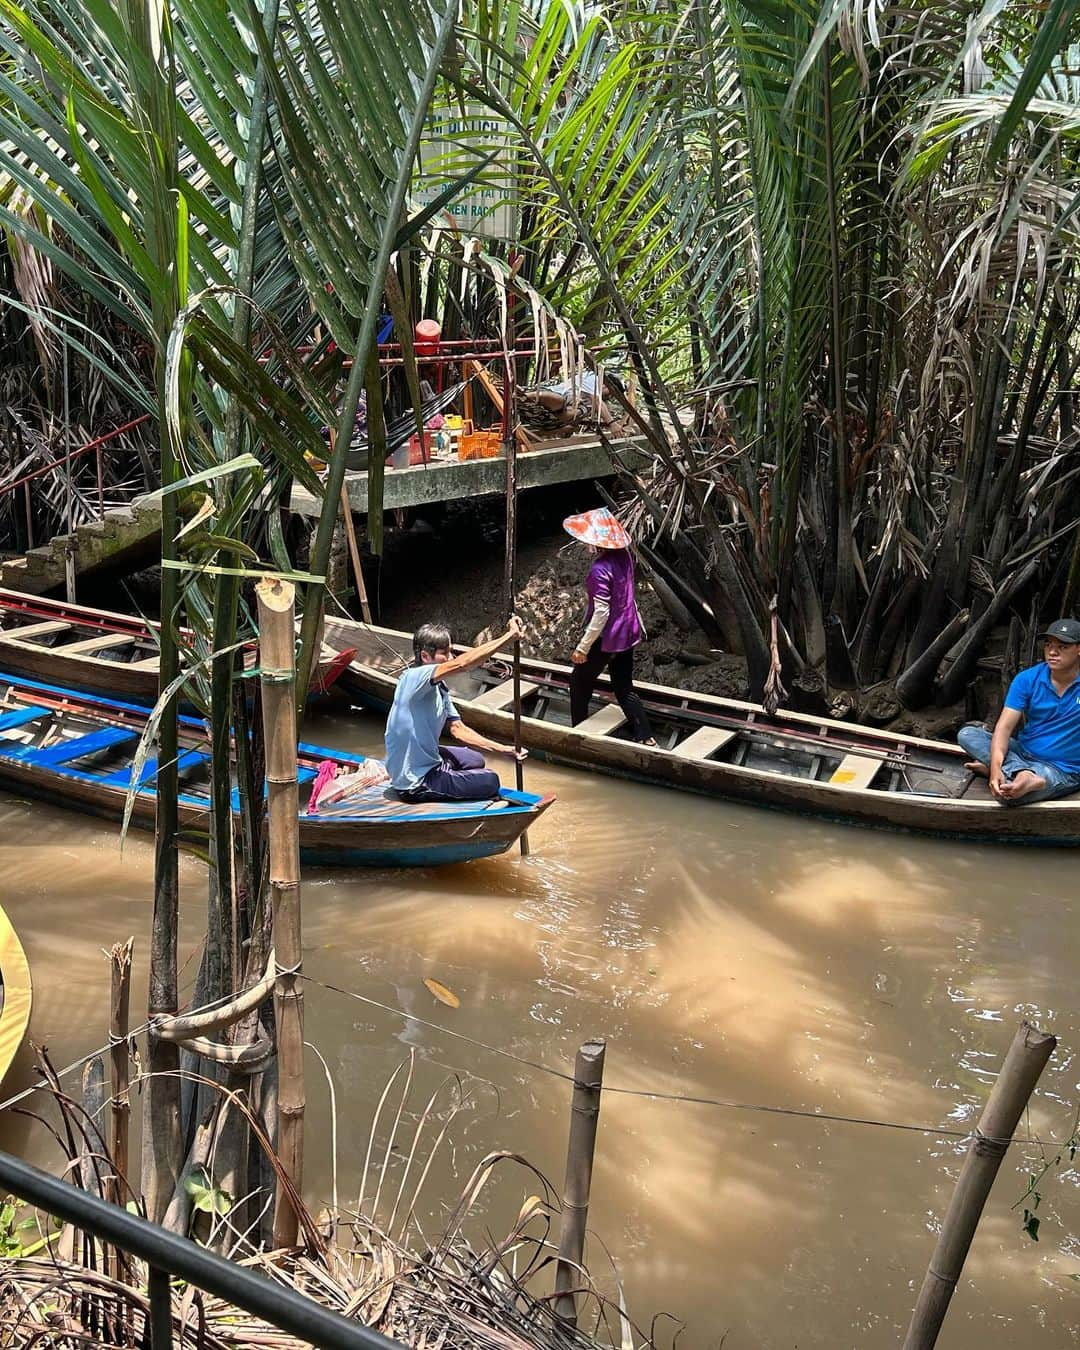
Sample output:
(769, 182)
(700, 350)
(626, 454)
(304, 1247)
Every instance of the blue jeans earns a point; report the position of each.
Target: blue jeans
(974, 740)
(460, 776)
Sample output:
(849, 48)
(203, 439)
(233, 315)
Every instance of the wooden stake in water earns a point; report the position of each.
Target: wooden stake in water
(584, 1117)
(120, 1111)
(278, 679)
(1027, 1057)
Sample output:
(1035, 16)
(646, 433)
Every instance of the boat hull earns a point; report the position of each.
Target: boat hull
(381, 832)
(16, 994)
(94, 672)
(974, 816)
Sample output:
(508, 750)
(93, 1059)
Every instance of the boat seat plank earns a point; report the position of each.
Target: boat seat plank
(122, 777)
(79, 746)
(610, 718)
(34, 630)
(703, 742)
(855, 771)
(147, 663)
(18, 717)
(94, 644)
(502, 695)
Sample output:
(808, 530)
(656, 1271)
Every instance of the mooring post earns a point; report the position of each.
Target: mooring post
(1027, 1057)
(584, 1117)
(119, 1080)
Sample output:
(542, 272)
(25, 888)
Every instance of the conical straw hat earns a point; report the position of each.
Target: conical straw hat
(597, 527)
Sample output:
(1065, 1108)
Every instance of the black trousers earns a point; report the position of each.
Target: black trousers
(621, 669)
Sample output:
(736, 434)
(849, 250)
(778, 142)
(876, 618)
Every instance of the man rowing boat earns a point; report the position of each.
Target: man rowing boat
(1042, 760)
(422, 770)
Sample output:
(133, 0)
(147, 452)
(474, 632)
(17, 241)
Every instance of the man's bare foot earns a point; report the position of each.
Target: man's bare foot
(1020, 785)
(973, 766)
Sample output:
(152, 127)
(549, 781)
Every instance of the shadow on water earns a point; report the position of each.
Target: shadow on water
(722, 952)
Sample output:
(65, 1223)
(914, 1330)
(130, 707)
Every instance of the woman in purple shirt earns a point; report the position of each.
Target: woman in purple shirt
(612, 623)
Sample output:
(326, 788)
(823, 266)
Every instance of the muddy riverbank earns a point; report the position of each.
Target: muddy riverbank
(449, 565)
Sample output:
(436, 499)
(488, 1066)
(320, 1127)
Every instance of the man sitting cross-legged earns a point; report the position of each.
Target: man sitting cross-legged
(1043, 759)
(422, 770)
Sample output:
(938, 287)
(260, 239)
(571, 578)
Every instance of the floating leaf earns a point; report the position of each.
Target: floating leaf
(443, 994)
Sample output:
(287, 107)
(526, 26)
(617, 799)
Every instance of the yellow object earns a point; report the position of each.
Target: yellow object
(443, 994)
(17, 994)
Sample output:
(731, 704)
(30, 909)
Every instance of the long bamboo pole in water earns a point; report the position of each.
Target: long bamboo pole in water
(1027, 1057)
(584, 1117)
(509, 412)
(277, 660)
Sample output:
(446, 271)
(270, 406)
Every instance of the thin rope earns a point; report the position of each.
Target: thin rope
(831, 1117)
(109, 1044)
(68, 1068)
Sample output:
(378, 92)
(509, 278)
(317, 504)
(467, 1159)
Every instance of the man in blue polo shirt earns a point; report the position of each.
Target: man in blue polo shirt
(1043, 759)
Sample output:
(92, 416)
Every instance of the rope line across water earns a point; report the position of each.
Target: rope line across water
(685, 1099)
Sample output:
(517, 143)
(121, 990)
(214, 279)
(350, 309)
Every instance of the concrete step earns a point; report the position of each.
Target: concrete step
(125, 531)
(43, 556)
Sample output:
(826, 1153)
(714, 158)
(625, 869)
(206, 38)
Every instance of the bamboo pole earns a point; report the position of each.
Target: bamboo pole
(120, 1112)
(1027, 1057)
(278, 679)
(509, 412)
(581, 1145)
(350, 537)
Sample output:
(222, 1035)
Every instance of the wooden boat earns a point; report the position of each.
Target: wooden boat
(76, 750)
(16, 994)
(96, 650)
(724, 748)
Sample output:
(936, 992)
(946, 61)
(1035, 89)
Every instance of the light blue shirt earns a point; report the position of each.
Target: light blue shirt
(420, 710)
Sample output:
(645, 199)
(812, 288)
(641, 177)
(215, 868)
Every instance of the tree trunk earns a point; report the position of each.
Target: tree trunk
(915, 686)
(952, 683)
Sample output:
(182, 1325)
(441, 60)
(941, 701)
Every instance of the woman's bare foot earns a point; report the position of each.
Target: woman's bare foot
(974, 766)
(1021, 784)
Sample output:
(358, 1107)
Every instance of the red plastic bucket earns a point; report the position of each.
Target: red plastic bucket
(426, 337)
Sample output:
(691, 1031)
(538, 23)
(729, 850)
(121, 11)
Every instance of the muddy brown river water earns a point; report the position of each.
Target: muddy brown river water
(723, 953)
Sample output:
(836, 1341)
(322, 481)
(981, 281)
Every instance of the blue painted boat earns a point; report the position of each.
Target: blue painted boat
(79, 750)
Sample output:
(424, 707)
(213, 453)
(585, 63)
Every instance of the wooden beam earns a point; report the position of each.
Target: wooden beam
(95, 644)
(524, 440)
(33, 630)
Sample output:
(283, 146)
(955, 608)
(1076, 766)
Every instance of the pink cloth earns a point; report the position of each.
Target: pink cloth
(326, 774)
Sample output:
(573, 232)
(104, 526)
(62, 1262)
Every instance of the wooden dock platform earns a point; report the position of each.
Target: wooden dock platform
(551, 462)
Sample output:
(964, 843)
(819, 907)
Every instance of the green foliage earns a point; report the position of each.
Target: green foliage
(206, 1196)
(21, 1238)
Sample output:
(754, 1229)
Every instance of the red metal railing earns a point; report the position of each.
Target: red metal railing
(8, 489)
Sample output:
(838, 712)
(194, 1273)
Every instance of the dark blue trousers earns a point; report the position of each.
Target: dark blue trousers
(460, 777)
